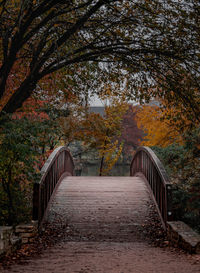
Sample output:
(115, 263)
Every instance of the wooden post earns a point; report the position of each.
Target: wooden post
(35, 200)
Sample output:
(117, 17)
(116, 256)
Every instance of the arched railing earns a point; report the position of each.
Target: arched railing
(147, 163)
(58, 165)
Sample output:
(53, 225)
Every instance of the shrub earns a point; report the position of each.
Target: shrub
(24, 143)
(183, 166)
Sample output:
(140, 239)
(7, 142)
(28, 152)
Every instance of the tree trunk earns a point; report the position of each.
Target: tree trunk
(101, 166)
(20, 95)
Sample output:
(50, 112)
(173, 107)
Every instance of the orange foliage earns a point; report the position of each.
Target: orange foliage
(163, 126)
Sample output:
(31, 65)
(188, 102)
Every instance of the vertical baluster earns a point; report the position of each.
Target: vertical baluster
(56, 171)
(60, 166)
(46, 192)
(161, 201)
(42, 201)
(148, 169)
(151, 174)
(160, 193)
(47, 189)
(157, 189)
(144, 170)
(64, 161)
(147, 162)
(165, 203)
(49, 186)
(61, 158)
(53, 175)
(155, 183)
(146, 166)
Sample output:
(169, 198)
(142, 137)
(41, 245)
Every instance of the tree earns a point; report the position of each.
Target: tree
(108, 145)
(153, 41)
(175, 139)
(131, 135)
(175, 80)
(47, 114)
(26, 140)
(163, 124)
(18, 168)
(182, 163)
(158, 131)
(98, 132)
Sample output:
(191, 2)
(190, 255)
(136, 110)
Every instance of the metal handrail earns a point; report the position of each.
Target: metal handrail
(146, 162)
(59, 164)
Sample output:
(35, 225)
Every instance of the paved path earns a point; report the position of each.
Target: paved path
(105, 219)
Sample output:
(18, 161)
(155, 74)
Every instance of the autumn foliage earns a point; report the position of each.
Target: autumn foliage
(100, 132)
(131, 134)
(164, 124)
(175, 139)
(39, 38)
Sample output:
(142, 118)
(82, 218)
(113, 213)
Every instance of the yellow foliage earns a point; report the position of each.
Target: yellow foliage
(113, 152)
(98, 131)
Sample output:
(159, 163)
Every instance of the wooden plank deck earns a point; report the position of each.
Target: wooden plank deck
(105, 218)
(101, 208)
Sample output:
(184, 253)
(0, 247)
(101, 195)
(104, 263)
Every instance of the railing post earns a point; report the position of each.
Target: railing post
(169, 203)
(35, 201)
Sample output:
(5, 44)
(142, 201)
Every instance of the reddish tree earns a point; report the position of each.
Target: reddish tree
(31, 109)
(131, 134)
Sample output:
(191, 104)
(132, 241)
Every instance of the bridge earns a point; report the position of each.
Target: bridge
(60, 194)
(105, 219)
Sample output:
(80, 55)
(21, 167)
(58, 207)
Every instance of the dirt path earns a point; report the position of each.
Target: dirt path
(107, 257)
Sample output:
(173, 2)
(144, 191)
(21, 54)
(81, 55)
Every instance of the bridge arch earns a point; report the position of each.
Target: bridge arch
(59, 164)
(145, 163)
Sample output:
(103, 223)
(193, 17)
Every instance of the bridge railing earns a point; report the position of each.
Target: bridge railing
(146, 162)
(58, 165)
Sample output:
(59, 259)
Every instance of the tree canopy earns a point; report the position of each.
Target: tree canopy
(153, 43)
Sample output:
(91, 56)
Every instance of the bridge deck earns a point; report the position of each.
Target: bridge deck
(102, 208)
(107, 216)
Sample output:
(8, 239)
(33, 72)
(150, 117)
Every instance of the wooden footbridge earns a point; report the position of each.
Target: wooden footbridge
(103, 219)
(108, 208)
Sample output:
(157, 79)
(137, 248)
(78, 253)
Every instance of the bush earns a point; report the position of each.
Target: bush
(18, 140)
(183, 165)
(24, 141)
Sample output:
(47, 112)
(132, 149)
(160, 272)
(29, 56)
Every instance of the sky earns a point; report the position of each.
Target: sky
(95, 101)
